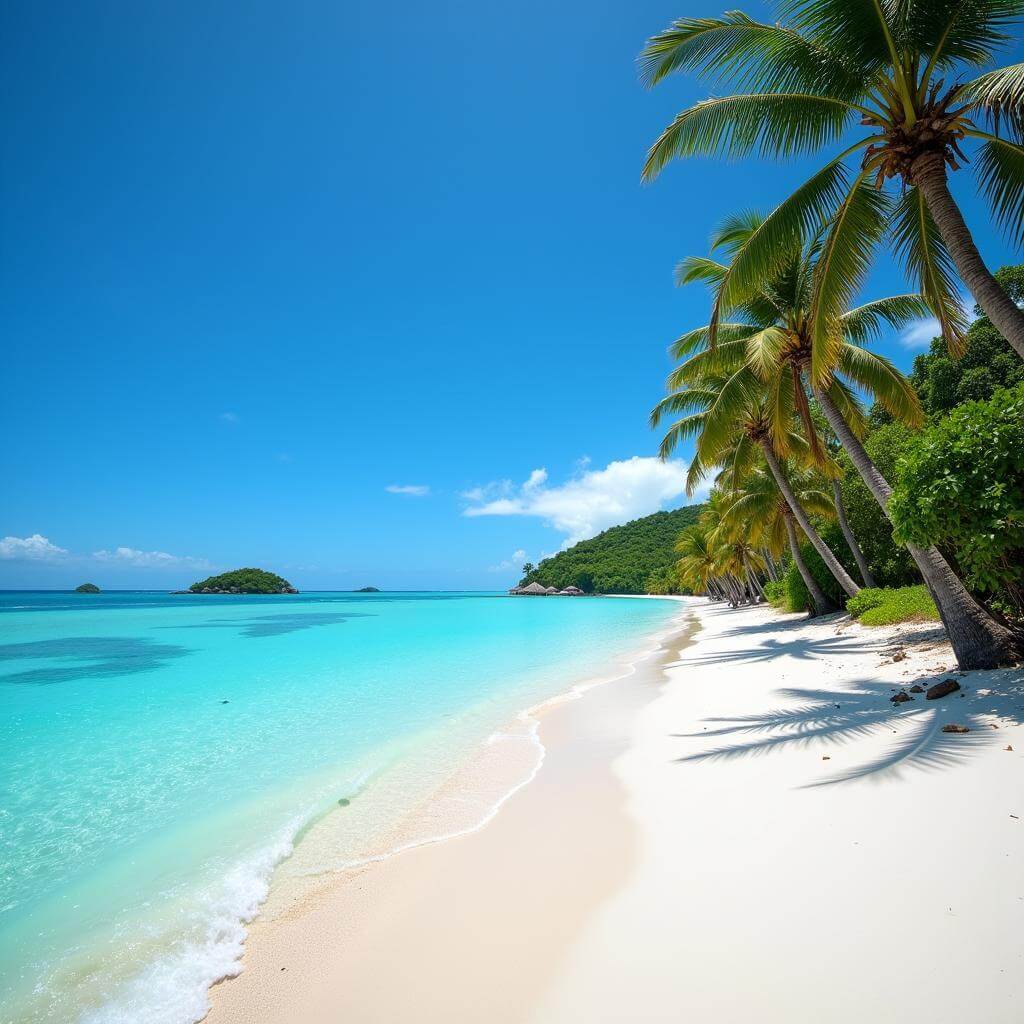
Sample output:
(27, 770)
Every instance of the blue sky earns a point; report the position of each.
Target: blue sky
(300, 285)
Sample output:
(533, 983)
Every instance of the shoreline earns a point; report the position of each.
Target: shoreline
(761, 811)
(496, 770)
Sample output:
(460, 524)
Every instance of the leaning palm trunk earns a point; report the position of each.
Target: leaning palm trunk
(929, 172)
(820, 604)
(843, 578)
(752, 581)
(851, 540)
(978, 640)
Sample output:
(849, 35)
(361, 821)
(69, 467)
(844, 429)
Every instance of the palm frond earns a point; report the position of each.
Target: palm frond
(699, 269)
(997, 94)
(773, 242)
(866, 323)
(950, 32)
(855, 28)
(773, 124)
(922, 251)
(842, 264)
(1000, 169)
(705, 366)
(769, 58)
(764, 349)
(681, 430)
(876, 375)
(692, 341)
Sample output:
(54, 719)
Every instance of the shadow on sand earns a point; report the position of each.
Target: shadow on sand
(822, 719)
(825, 719)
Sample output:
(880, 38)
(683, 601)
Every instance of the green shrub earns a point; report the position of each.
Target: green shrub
(867, 598)
(882, 607)
(961, 486)
(775, 591)
(795, 596)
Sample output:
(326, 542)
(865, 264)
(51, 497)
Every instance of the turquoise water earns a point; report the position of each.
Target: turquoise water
(159, 755)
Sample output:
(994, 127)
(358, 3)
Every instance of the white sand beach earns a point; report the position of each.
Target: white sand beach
(747, 829)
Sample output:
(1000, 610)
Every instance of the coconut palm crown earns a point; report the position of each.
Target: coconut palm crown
(894, 85)
(757, 364)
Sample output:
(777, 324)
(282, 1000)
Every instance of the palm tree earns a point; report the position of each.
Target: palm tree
(759, 507)
(732, 414)
(901, 70)
(696, 566)
(793, 347)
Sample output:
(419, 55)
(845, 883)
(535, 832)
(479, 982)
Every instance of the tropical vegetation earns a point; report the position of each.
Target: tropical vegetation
(243, 581)
(880, 607)
(769, 390)
(635, 558)
(896, 86)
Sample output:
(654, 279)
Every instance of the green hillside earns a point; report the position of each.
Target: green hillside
(631, 559)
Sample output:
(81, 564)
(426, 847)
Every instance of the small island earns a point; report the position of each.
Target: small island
(243, 581)
(367, 590)
(87, 588)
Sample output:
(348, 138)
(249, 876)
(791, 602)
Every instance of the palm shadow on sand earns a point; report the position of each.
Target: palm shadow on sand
(823, 720)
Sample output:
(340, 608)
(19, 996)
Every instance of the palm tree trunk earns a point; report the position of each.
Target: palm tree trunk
(842, 576)
(929, 175)
(819, 601)
(978, 640)
(851, 540)
(752, 580)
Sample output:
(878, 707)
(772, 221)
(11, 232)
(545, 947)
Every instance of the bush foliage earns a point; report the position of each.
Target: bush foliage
(961, 486)
(881, 606)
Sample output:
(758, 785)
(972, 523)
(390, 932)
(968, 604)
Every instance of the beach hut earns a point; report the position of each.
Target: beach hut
(534, 589)
(551, 590)
(571, 592)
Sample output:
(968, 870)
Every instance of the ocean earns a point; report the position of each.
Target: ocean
(166, 761)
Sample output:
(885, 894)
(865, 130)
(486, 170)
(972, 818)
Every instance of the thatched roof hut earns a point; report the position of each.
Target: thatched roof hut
(533, 589)
(551, 590)
(571, 592)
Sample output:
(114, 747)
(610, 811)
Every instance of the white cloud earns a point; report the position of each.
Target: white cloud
(148, 559)
(516, 561)
(415, 490)
(229, 417)
(590, 502)
(920, 333)
(488, 492)
(35, 548)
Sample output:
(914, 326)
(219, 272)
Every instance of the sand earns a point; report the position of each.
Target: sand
(711, 839)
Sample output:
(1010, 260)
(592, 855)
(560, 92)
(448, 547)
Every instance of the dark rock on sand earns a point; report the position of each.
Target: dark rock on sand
(917, 688)
(943, 689)
(900, 698)
(955, 728)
